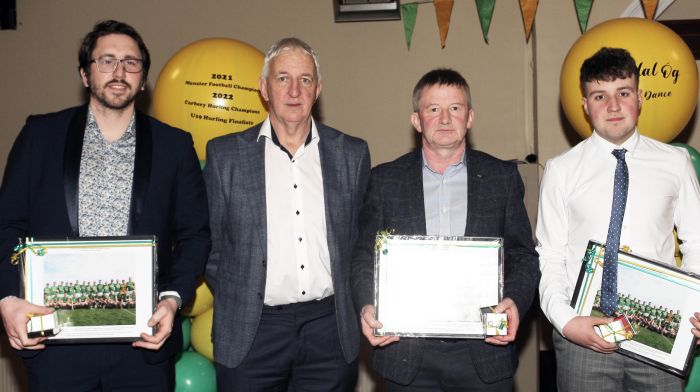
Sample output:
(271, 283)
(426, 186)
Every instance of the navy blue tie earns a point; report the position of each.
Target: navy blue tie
(608, 298)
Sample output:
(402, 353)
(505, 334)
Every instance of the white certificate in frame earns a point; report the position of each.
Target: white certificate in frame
(435, 286)
(101, 288)
(657, 298)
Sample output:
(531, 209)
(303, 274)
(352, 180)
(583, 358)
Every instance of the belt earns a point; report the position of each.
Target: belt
(297, 307)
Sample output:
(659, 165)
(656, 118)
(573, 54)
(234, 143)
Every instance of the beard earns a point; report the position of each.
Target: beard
(111, 101)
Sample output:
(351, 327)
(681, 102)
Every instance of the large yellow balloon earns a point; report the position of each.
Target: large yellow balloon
(201, 334)
(203, 300)
(210, 88)
(668, 75)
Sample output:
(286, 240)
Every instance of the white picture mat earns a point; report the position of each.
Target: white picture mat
(436, 287)
(648, 281)
(92, 263)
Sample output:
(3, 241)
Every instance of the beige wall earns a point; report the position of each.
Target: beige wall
(368, 72)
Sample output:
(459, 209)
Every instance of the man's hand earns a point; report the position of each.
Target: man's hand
(580, 331)
(508, 307)
(369, 322)
(15, 314)
(696, 326)
(163, 318)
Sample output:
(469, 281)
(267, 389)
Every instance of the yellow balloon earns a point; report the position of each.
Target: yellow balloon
(210, 88)
(201, 334)
(203, 300)
(668, 75)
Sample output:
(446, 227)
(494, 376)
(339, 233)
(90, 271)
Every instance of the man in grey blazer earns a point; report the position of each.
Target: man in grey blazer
(285, 198)
(446, 188)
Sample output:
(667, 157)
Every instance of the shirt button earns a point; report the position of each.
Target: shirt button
(297, 212)
(303, 293)
(302, 266)
(299, 239)
(295, 186)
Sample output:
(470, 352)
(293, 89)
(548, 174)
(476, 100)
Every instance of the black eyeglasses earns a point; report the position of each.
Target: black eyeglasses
(108, 64)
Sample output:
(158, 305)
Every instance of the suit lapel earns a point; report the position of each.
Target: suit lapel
(72, 152)
(414, 187)
(330, 150)
(252, 152)
(475, 181)
(142, 168)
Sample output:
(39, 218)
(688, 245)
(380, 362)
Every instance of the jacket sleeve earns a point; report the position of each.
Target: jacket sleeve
(14, 208)
(370, 222)
(191, 236)
(212, 180)
(522, 273)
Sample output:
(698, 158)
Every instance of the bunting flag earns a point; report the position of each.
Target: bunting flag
(650, 8)
(485, 10)
(583, 10)
(443, 11)
(408, 14)
(528, 8)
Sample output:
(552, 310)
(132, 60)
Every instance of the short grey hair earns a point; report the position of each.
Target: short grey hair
(287, 44)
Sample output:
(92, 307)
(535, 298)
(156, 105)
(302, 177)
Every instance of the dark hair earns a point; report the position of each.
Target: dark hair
(609, 64)
(108, 27)
(442, 77)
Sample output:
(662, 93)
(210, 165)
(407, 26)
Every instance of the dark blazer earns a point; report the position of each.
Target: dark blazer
(236, 271)
(494, 209)
(39, 198)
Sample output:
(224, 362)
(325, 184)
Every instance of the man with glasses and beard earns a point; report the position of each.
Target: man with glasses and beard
(105, 169)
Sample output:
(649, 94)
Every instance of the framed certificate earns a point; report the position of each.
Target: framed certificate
(432, 286)
(102, 288)
(658, 299)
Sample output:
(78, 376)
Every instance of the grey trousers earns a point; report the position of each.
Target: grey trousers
(584, 370)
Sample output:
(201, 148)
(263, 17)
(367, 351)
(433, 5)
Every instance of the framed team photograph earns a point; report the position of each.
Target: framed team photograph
(435, 286)
(102, 289)
(657, 299)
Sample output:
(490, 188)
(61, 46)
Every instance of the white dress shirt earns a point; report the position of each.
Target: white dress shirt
(575, 203)
(298, 260)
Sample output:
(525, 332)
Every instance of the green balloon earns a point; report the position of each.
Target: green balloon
(194, 373)
(694, 156)
(186, 331)
(694, 378)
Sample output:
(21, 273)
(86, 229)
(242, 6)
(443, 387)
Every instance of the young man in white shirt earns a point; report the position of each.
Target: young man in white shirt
(575, 199)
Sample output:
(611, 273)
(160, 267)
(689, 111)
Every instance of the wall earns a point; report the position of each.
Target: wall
(368, 72)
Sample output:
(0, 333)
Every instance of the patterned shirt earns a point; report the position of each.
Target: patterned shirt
(106, 177)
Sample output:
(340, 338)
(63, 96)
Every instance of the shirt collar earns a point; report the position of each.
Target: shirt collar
(130, 129)
(453, 166)
(630, 144)
(267, 132)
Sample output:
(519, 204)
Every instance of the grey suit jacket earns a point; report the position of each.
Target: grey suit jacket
(495, 208)
(235, 179)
